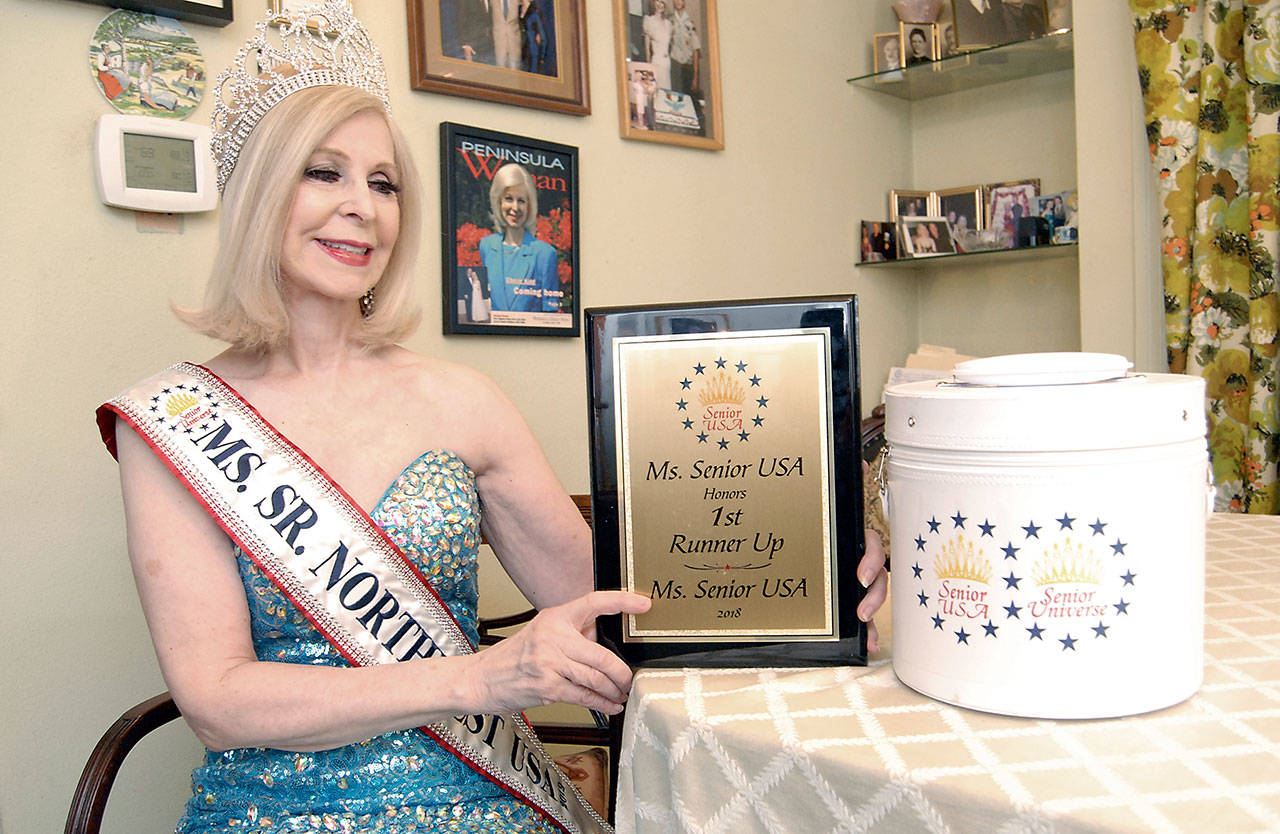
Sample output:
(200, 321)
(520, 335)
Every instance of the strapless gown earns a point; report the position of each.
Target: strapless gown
(395, 783)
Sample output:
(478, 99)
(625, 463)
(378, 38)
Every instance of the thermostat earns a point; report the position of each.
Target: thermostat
(151, 164)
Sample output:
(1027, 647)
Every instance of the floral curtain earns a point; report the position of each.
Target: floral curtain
(1210, 76)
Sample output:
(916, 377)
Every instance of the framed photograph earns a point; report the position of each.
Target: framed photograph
(208, 12)
(1009, 202)
(886, 55)
(509, 233)
(668, 54)
(964, 208)
(919, 42)
(281, 8)
(531, 53)
(993, 22)
(925, 237)
(906, 203)
(1059, 209)
(879, 241)
(726, 482)
(948, 46)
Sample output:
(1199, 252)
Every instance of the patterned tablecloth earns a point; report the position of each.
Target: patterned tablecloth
(853, 749)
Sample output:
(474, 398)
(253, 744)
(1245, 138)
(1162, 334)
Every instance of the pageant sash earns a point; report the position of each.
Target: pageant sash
(330, 559)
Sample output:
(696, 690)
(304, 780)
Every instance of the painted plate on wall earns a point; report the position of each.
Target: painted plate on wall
(147, 65)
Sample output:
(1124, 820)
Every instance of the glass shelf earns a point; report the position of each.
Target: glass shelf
(991, 65)
(1023, 253)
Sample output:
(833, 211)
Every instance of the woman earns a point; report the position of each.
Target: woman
(523, 273)
(273, 572)
(658, 28)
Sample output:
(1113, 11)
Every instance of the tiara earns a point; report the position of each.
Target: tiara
(319, 44)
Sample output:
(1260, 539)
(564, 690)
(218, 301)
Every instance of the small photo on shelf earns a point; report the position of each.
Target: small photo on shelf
(1009, 202)
(1059, 209)
(947, 46)
(909, 203)
(879, 241)
(919, 42)
(886, 56)
(963, 207)
(925, 237)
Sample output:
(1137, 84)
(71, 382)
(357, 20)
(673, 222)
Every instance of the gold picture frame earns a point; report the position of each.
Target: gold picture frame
(687, 110)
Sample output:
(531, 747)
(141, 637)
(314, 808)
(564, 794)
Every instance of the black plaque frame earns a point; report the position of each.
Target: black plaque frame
(837, 314)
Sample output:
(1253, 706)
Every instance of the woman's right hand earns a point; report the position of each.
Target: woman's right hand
(554, 659)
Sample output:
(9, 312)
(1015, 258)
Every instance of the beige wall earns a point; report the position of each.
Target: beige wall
(776, 213)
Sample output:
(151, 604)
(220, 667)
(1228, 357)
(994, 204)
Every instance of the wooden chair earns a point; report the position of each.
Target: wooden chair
(94, 788)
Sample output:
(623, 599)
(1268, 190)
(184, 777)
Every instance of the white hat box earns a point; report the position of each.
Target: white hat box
(1047, 513)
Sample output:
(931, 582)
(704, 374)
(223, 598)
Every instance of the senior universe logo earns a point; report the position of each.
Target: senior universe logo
(184, 408)
(721, 403)
(1063, 583)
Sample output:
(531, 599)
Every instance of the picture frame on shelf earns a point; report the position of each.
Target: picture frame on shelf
(668, 70)
(879, 241)
(999, 22)
(963, 207)
(452, 51)
(909, 203)
(925, 237)
(208, 12)
(948, 47)
(1059, 208)
(886, 56)
(919, 42)
(492, 287)
(280, 8)
(1008, 202)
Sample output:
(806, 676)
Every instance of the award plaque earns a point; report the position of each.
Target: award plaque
(726, 480)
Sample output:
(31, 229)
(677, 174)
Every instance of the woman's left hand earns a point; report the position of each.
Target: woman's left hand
(874, 577)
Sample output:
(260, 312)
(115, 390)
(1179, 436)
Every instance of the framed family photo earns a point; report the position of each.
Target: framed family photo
(668, 54)
(531, 53)
(962, 207)
(907, 203)
(925, 237)
(509, 232)
(886, 55)
(983, 23)
(1009, 202)
(919, 42)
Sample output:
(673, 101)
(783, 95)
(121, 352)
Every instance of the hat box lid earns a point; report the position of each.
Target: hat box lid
(1045, 402)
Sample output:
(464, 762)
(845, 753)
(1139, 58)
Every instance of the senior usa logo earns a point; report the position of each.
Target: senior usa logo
(1061, 582)
(722, 402)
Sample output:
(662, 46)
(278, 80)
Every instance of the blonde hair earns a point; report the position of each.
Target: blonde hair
(242, 303)
(513, 175)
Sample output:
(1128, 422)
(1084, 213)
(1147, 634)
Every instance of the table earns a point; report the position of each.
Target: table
(852, 749)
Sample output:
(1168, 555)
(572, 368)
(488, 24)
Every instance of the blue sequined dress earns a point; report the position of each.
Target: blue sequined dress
(396, 783)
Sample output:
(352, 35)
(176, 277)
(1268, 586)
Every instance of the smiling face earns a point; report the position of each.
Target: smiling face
(345, 216)
(918, 43)
(514, 206)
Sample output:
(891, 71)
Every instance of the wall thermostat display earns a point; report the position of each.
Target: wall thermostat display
(152, 164)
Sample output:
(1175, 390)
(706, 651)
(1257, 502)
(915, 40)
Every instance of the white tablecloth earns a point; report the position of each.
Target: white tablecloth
(852, 749)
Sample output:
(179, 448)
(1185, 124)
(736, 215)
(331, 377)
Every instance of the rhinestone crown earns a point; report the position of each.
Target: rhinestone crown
(322, 43)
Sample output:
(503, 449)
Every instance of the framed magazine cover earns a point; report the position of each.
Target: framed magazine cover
(208, 12)
(509, 233)
(668, 55)
(537, 58)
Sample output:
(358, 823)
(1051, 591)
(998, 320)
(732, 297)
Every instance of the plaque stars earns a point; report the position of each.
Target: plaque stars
(743, 435)
(919, 543)
(755, 381)
(937, 622)
(933, 525)
(699, 369)
(742, 367)
(1032, 530)
(1035, 631)
(722, 443)
(720, 362)
(962, 636)
(1118, 547)
(1097, 527)
(702, 437)
(1010, 552)
(924, 599)
(1065, 522)
(688, 424)
(1011, 581)
(1128, 577)
(1011, 611)
(763, 402)
(685, 383)
(757, 421)
(682, 404)
(1068, 642)
(916, 570)
(990, 628)
(1100, 630)
(987, 528)
(958, 520)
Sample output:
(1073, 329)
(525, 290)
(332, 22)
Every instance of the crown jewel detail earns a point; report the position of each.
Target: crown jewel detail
(721, 390)
(957, 561)
(1069, 563)
(319, 44)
